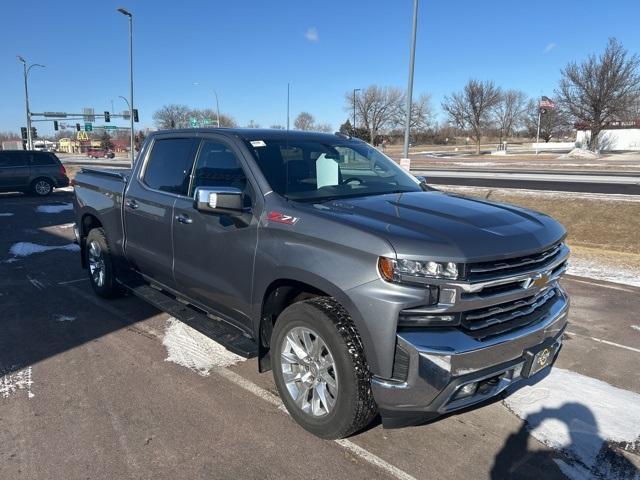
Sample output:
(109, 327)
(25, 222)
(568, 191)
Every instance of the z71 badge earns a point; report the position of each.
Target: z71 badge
(282, 218)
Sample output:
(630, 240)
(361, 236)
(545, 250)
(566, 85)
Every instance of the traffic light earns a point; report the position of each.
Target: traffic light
(77, 127)
(55, 125)
(23, 132)
(135, 114)
(34, 133)
(107, 116)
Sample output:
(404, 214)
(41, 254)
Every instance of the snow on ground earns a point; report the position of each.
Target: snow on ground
(636, 327)
(6, 214)
(65, 189)
(10, 383)
(584, 418)
(602, 270)
(24, 249)
(580, 153)
(54, 208)
(65, 318)
(544, 194)
(191, 349)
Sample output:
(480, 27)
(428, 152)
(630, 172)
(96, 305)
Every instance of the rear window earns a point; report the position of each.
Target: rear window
(43, 159)
(169, 166)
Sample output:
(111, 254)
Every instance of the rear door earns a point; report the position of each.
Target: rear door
(14, 169)
(44, 164)
(148, 205)
(214, 253)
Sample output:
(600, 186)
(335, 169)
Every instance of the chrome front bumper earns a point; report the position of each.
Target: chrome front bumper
(441, 361)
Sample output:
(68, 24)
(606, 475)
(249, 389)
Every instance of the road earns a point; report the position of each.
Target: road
(565, 181)
(87, 391)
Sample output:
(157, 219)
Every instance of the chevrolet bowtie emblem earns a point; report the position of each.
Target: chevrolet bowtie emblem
(539, 280)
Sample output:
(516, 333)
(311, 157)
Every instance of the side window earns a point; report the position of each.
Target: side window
(169, 166)
(41, 159)
(217, 166)
(12, 160)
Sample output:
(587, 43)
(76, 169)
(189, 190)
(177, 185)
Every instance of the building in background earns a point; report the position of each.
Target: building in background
(618, 136)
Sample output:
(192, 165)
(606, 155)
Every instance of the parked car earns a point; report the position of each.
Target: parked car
(31, 171)
(363, 289)
(100, 153)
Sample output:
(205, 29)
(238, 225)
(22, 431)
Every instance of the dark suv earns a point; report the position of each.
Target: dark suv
(31, 171)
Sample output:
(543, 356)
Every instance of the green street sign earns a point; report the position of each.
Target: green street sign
(194, 123)
(88, 127)
(110, 127)
(206, 121)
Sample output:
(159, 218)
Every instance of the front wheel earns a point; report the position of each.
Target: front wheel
(42, 187)
(320, 369)
(100, 263)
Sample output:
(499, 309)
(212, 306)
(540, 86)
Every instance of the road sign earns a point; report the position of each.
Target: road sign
(110, 127)
(88, 114)
(206, 121)
(55, 114)
(88, 127)
(193, 122)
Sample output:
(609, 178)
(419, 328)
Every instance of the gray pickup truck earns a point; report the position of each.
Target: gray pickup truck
(364, 290)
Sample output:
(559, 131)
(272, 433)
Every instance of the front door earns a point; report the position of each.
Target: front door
(148, 206)
(213, 253)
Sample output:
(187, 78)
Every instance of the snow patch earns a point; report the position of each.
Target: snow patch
(581, 153)
(636, 327)
(6, 214)
(65, 189)
(10, 383)
(24, 249)
(65, 225)
(65, 318)
(54, 208)
(191, 349)
(583, 417)
(582, 267)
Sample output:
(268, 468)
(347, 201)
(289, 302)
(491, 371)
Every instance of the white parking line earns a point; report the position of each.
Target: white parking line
(264, 395)
(606, 342)
(68, 282)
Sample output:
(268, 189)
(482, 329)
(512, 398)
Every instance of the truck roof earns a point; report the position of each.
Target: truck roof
(259, 133)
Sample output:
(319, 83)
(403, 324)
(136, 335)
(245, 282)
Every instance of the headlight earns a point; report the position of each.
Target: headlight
(392, 270)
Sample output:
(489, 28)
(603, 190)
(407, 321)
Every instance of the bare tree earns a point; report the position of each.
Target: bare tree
(376, 108)
(304, 121)
(509, 112)
(553, 123)
(9, 136)
(323, 127)
(172, 116)
(253, 124)
(471, 109)
(276, 126)
(601, 89)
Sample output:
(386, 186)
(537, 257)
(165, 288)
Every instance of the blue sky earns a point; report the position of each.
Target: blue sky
(249, 50)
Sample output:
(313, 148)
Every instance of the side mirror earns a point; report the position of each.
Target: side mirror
(218, 200)
(423, 183)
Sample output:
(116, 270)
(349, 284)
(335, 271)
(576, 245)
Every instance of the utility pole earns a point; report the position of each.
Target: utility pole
(538, 134)
(131, 105)
(412, 58)
(354, 107)
(288, 106)
(26, 97)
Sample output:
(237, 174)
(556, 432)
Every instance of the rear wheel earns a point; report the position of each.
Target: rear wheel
(100, 264)
(320, 370)
(42, 187)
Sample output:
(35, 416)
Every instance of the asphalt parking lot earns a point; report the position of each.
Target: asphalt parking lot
(100, 389)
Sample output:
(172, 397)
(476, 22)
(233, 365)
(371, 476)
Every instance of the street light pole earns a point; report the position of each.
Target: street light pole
(26, 98)
(217, 108)
(354, 107)
(412, 58)
(128, 14)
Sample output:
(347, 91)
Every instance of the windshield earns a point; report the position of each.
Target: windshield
(318, 171)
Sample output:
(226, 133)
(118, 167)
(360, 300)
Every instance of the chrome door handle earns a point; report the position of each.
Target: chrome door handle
(132, 204)
(184, 219)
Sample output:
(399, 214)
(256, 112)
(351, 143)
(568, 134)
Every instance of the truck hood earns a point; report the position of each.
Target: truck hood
(447, 227)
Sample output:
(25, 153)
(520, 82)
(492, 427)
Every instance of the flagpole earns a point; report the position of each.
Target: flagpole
(538, 134)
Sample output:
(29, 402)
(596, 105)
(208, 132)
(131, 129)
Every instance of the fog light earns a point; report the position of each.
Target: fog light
(466, 390)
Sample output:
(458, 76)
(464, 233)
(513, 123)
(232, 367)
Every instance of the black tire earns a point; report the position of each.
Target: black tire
(105, 286)
(41, 187)
(354, 406)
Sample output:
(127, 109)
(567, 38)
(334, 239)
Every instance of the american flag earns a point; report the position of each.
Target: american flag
(546, 102)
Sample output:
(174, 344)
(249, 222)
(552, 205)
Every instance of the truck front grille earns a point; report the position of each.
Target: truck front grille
(513, 266)
(504, 317)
